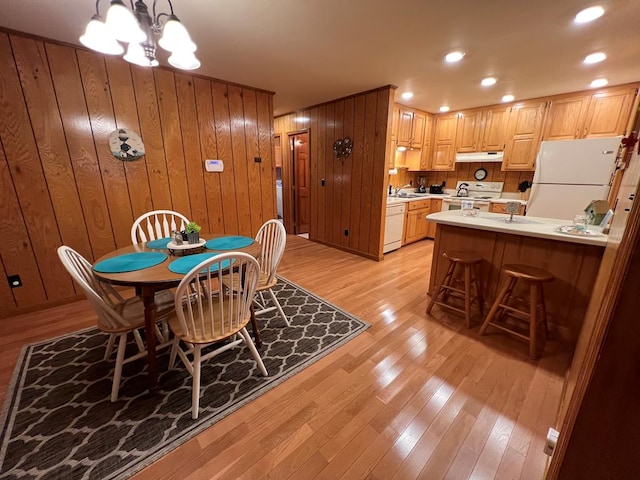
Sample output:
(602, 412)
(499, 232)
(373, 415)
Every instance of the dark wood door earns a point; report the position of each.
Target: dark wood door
(300, 166)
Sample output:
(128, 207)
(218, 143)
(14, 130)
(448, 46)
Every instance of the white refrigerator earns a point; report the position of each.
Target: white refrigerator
(570, 174)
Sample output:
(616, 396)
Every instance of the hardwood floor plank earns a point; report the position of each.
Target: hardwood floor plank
(414, 396)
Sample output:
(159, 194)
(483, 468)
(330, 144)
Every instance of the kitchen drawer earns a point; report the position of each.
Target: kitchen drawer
(502, 208)
(419, 205)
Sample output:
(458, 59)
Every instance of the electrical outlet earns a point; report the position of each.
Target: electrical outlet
(346, 232)
(14, 281)
(552, 441)
(257, 159)
(322, 182)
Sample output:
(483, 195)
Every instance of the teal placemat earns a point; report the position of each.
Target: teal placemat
(159, 243)
(185, 264)
(130, 262)
(228, 243)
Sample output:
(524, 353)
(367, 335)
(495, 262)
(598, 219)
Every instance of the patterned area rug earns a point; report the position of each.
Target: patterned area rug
(58, 421)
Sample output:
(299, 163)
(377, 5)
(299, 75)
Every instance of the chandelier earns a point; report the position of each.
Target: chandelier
(138, 28)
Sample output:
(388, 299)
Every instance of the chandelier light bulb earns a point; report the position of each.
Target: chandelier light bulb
(135, 54)
(123, 24)
(175, 37)
(97, 37)
(184, 60)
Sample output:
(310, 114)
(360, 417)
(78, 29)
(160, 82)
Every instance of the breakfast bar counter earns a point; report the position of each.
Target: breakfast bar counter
(574, 260)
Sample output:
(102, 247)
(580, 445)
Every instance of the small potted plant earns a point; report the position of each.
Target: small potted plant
(193, 232)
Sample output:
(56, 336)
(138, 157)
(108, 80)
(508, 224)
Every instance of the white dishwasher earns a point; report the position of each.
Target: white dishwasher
(393, 227)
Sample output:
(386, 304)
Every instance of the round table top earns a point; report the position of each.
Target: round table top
(160, 274)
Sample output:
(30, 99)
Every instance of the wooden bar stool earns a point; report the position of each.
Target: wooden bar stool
(535, 278)
(469, 262)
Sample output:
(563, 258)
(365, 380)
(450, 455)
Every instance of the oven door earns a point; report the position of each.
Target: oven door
(456, 204)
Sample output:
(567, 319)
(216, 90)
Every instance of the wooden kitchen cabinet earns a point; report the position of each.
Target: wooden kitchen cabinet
(502, 208)
(469, 129)
(524, 130)
(411, 128)
(494, 133)
(603, 113)
(393, 142)
(425, 158)
(565, 118)
(608, 112)
(444, 152)
(436, 206)
(415, 225)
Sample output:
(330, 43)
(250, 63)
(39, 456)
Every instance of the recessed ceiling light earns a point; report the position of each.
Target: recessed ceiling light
(595, 58)
(589, 14)
(599, 82)
(407, 95)
(444, 108)
(401, 148)
(453, 57)
(508, 98)
(487, 82)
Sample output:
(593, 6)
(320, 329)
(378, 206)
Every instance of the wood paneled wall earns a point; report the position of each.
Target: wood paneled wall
(59, 183)
(351, 199)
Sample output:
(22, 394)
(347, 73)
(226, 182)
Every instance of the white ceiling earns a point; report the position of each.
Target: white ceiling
(312, 51)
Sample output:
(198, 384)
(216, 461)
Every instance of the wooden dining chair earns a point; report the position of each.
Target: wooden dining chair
(116, 316)
(157, 224)
(221, 317)
(272, 236)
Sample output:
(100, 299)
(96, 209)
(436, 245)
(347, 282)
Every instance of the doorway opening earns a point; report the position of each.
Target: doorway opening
(300, 178)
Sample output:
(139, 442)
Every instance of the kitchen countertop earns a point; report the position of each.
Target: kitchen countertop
(525, 226)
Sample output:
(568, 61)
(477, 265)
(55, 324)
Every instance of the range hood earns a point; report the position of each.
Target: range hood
(479, 157)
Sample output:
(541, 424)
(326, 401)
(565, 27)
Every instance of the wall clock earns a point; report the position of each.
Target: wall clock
(480, 174)
(126, 144)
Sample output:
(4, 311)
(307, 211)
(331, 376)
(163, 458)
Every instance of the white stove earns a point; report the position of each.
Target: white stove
(480, 193)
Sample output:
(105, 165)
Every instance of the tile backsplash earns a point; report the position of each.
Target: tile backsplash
(463, 171)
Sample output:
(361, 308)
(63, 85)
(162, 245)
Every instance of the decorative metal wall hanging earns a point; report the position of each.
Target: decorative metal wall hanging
(342, 148)
(126, 145)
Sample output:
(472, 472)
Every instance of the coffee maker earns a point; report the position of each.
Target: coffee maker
(422, 184)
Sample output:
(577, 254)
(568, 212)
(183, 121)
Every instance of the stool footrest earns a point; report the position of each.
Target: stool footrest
(451, 307)
(515, 312)
(513, 332)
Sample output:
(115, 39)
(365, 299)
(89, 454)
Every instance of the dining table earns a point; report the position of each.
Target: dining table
(152, 279)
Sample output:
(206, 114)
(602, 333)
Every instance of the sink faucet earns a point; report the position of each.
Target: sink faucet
(397, 189)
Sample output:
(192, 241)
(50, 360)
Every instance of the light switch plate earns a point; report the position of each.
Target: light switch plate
(214, 165)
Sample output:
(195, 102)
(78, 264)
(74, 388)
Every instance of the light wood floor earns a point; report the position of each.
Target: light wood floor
(415, 396)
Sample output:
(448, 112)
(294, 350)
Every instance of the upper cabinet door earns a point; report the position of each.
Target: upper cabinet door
(524, 130)
(494, 134)
(446, 128)
(404, 127)
(425, 159)
(444, 156)
(608, 113)
(417, 129)
(468, 131)
(565, 118)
